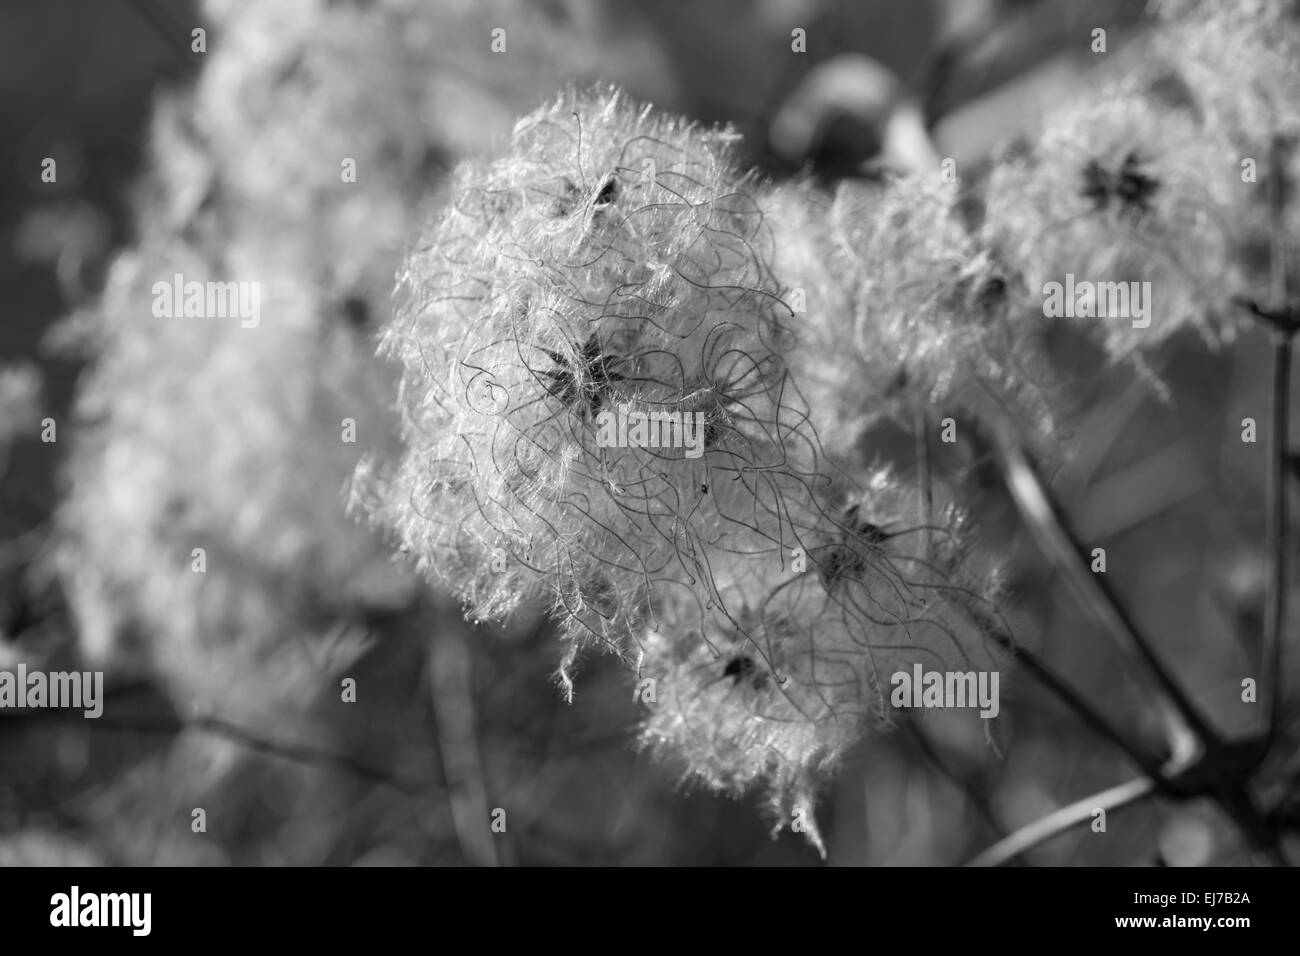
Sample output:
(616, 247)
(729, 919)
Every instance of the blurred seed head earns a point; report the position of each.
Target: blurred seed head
(202, 434)
(907, 315)
(1123, 188)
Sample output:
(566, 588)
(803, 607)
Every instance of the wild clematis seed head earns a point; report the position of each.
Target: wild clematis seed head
(1131, 192)
(1240, 62)
(614, 265)
(906, 316)
(1241, 68)
(769, 687)
(595, 396)
(207, 435)
(1165, 180)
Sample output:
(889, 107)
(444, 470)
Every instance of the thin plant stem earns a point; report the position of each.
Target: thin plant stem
(921, 425)
(1276, 516)
(1141, 758)
(1063, 820)
(961, 778)
(1277, 519)
(1185, 729)
(451, 691)
(252, 741)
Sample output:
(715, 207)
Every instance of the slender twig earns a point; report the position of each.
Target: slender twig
(1148, 763)
(1186, 730)
(451, 689)
(1277, 196)
(1275, 534)
(1064, 819)
(921, 426)
(961, 777)
(990, 623)
(307, 754)
(1144, 761)
(1276, 515)
(294, 751)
